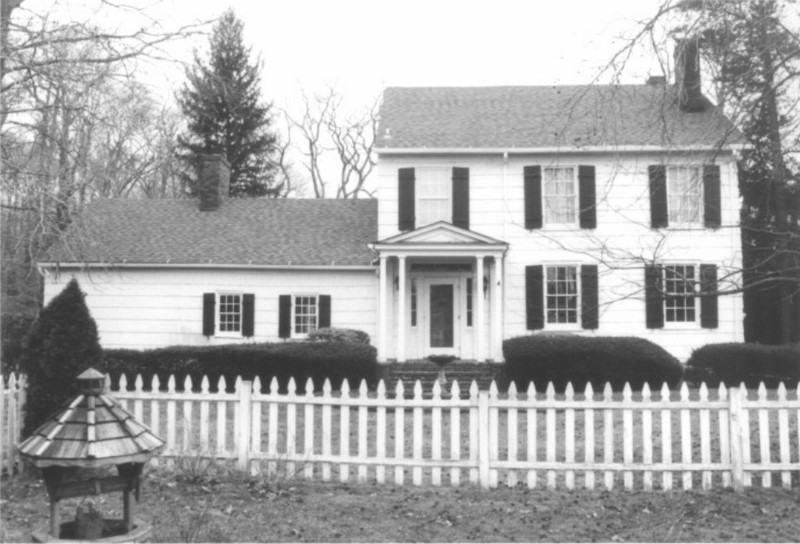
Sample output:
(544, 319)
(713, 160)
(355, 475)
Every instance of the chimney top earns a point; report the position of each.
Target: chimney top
(214, 181)
(687, 76)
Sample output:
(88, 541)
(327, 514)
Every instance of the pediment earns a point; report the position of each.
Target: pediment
(441, 233)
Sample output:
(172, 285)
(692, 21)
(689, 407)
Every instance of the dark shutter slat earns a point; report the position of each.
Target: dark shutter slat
(711, 196)
(285, 316)
(590, 315)
(587, 197)
(709, 311)
(659, 217)
(533, 196)
(405, 202)
(324, 311)
(248, 314)
(461, 197)
(534, 297)
(654, 302)
(209, 308)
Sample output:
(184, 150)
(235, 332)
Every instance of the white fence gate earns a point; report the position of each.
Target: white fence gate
(644, 440)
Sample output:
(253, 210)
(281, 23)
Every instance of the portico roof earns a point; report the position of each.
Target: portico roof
(440, 239)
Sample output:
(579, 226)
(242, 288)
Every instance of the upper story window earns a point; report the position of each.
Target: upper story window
(679, 291)
(560, 196)
(434, 194)
(230, 313)
(685, 195)
(561, 297)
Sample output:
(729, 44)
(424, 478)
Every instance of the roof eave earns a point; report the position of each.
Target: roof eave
(564, 149)
(206, 266)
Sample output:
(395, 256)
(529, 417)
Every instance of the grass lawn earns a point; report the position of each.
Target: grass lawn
(228, 507)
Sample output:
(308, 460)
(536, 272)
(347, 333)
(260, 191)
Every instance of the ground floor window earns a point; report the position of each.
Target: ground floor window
(679, 290)
(306, 313)
(561, 294)
(230, 313)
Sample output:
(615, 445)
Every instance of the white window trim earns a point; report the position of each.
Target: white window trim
(578, 316)
(572, 224)
(681, 325)
(301, 335)
(218, 315)
(700, 223)
(420, 178)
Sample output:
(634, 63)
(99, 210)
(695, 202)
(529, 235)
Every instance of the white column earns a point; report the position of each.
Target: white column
(383, 314)
(401, 310)
(497, 310)
(480, 352)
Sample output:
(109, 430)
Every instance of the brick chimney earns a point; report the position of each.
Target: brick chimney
(215, 178)
(687, 76)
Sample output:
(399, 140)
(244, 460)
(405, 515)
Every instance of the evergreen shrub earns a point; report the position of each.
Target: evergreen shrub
(13, 329)
(561, 359)
(61, 344)
(332, 334)
(299, 360)
(734, 363)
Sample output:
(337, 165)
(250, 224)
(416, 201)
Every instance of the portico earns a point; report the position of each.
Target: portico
(440, 292)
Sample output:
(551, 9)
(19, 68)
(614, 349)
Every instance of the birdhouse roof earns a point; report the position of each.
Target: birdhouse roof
(93, 430)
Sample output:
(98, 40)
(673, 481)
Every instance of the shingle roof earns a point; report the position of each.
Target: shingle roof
(551, 116)
(300, 232)
(92, 430)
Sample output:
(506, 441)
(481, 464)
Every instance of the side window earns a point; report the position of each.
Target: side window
(685, 195)
(305, 314)
(229, 317)
(561, 294)
(560, 196)
(434, 193)
(679, 294)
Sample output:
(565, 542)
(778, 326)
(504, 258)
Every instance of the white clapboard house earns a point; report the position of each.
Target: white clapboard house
(500, 212)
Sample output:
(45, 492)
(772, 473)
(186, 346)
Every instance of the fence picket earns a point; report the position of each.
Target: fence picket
(272, 422)
(436, 432)
(627, 439)
(647, 438)
(399, 433)
(380, 433)
(569, 438)
(511, 476)
(204, 389)
(494, 433)
(588, 426)
(363, 427)
(344, 433)
(291, 427)
(724, 434)
(783, 436)
(608, 434)
(550, 429)
(747, 477)
(327, 429)
(686, 437)
(473, 432)
(255, 427)
(170, 415)
(530, 420)
(455, 435)
(188, 423)
(138, 404)
(705, 437)
(763, 434)
(222, 417)
(308, 430)
(416, 471)
(666, 439)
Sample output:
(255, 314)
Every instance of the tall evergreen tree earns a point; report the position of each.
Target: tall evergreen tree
(61, 344)
(225, 113)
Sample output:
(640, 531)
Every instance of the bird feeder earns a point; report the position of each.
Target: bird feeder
(92, 432)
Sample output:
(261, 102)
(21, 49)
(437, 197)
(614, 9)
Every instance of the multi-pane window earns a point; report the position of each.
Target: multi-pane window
(469, 302)
(684, 194)
(434, 193)
(230, 313)
(305, 314)
(560, 195)
(679, 291)
(413, 302)
(562, 294)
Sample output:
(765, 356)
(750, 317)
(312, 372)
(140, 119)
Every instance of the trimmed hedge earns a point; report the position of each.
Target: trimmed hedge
(352, 336)
(300, 360)
(734, 363)
(561, 359)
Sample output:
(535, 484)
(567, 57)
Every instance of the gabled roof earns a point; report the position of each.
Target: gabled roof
(563, 117)
(441, 232)
(248, 232)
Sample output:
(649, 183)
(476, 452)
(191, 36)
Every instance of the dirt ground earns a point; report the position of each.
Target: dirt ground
(231, 508)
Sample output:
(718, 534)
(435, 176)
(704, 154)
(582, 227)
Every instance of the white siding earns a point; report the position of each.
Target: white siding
(149, 308)
(621, 243)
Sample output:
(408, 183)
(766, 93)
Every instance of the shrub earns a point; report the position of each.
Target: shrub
(752, 364)
(350, 336)
(14, 330)
(61, 344)
(300, 360)
(561, 359)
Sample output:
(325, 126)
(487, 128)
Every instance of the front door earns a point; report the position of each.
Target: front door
(441, 333)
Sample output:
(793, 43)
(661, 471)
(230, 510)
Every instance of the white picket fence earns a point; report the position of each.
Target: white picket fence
(12, 400)
(644, 440)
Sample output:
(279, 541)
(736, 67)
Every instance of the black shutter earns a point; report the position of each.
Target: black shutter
(461, 197)
(709, 312)
(248, 314)
(285, 316)
(586, 197)
(659, 217)
(711, 196)
(209, 308)
(534, 296)
(405, 199)
(654, 302)
(533, 196)
(324, 312)
(590, 315)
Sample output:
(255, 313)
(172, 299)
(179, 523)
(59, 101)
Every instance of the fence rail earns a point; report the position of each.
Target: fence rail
(635, 440)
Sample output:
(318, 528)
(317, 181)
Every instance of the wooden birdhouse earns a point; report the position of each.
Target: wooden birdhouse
(91, 432)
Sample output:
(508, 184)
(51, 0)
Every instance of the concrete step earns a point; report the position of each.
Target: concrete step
(427, 373)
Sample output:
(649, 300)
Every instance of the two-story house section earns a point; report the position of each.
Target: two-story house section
(591, 210)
